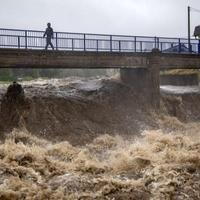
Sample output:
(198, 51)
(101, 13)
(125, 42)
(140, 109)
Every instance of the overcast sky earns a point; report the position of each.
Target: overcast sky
(130, 17)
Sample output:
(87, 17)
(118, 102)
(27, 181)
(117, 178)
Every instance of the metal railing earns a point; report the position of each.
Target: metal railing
(31, 39)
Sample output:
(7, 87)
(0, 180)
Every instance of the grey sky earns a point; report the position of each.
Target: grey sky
(130, 17)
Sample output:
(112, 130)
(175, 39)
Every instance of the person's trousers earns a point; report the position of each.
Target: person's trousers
(49, 43)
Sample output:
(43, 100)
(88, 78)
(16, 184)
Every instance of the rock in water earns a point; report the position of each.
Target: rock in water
(13, 107)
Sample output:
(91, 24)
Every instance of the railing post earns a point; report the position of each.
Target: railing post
(56, 41)
(135, 44)
(26, 42)
(72, 44)
(199, 47)
(141, 46)
(155, 40)
(158, 43)
(97, 45)
(18, 39)
(119, 46)
(190, 48)
(161, 46)
(179, 45)
(84, 42)
(110, 43)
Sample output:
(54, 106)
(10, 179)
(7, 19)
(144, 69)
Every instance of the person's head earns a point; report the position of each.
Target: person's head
(49, 24)
(14, 82)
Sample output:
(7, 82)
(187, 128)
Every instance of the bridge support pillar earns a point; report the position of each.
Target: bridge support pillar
(145, 82)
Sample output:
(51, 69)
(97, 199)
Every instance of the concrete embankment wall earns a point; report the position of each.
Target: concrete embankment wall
(179, 80)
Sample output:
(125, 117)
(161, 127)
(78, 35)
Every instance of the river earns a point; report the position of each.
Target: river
(86, 139)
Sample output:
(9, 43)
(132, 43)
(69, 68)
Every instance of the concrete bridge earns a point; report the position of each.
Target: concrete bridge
(139, 59)
(30, 58)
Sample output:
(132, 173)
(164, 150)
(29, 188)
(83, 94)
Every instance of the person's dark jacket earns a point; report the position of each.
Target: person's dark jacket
(48, 32)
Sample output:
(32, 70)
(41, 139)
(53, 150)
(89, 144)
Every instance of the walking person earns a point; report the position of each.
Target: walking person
(49, 35)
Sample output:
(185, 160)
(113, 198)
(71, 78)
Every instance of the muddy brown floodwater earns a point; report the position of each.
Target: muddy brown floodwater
(95, 139)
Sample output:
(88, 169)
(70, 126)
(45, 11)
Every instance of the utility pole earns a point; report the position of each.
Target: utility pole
(189, 41)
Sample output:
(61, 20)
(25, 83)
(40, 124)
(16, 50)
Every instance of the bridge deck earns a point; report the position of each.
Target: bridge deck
(22, 58)
(25, 49)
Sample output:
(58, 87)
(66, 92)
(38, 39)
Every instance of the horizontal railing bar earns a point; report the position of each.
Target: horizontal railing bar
(103, 40)
(58, 38)
(124, 41)
(174, 38)
(92, 34)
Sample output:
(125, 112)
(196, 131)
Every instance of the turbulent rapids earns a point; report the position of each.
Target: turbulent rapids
(96, 139)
